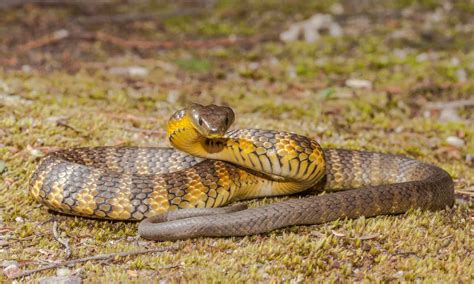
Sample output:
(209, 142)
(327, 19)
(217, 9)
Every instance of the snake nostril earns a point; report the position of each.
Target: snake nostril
(200, 121)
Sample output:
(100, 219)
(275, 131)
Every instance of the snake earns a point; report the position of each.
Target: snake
(193, 190)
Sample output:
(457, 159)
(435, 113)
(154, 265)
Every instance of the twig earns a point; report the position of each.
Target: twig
(12, 241)
(91, 258)
(64, 242)
(7, 4)
(44, 40)
(451, 104)
(63, 34)
(465, 195)
(8, 61)
(145, 44)
(65, 125)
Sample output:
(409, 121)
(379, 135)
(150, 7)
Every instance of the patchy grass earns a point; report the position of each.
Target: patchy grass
(66, 97)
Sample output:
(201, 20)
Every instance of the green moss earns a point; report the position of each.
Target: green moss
(194, 64)
(295, 86)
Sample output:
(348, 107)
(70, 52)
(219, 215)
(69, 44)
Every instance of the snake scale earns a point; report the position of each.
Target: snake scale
(216, 167)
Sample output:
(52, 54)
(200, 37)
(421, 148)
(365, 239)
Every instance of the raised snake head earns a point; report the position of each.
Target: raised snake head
(210, 121)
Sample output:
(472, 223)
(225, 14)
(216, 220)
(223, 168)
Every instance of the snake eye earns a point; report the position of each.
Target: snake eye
(226, 121)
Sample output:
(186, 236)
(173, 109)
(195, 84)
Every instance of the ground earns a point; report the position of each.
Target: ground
(85, 75)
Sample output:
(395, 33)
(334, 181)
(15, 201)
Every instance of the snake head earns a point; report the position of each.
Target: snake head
(211, 121)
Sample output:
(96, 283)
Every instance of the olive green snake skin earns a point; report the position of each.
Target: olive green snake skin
(149, 184)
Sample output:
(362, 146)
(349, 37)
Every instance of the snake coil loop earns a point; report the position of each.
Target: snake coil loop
(220, 167)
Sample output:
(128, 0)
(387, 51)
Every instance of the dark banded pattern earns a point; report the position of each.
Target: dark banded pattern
(415, 185)
(134, 183)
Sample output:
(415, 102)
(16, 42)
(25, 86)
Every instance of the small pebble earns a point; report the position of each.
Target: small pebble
(26, 68)
(60, 34)
(470, 159)
(56, 119)
(11, 271)
(61, 280)
(455, 141)
(399, 129)
(461, 74)
(310, 29)
(292, 73)
(36, 153)
(63, 271)
(136, 71)
(398, 274)
(449, 114)
(173, 96)
(291, 34)
(359, 84)
(7, 263)
(455, 61)
(254, 65)
(19, 220)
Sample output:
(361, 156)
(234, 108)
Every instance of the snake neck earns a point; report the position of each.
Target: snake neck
(290, 162)
(183, 136)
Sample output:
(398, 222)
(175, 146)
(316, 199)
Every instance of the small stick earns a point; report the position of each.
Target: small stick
(451, 104)
(90, 258)
(65, 125)
(8, 61)
(137, 43)
(44, 40)
(8, 4)
(12, 241)
(146, 44)
(58, 238)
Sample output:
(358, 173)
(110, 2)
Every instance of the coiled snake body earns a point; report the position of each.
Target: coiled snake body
(131, 183)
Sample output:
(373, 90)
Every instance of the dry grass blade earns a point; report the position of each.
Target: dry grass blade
(63, 242)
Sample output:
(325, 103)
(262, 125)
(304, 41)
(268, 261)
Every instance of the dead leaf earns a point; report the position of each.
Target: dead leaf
(36, 153)
(12, 271)
(368, 237)
(448, 153)
(3, 167)
(338, 234)
(317, 234)
(6, 229)
(7, 182)
(57, 119)
(465, 194)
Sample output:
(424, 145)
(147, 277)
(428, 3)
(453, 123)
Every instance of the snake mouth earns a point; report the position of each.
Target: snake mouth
(214, 145)
(213, 135)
